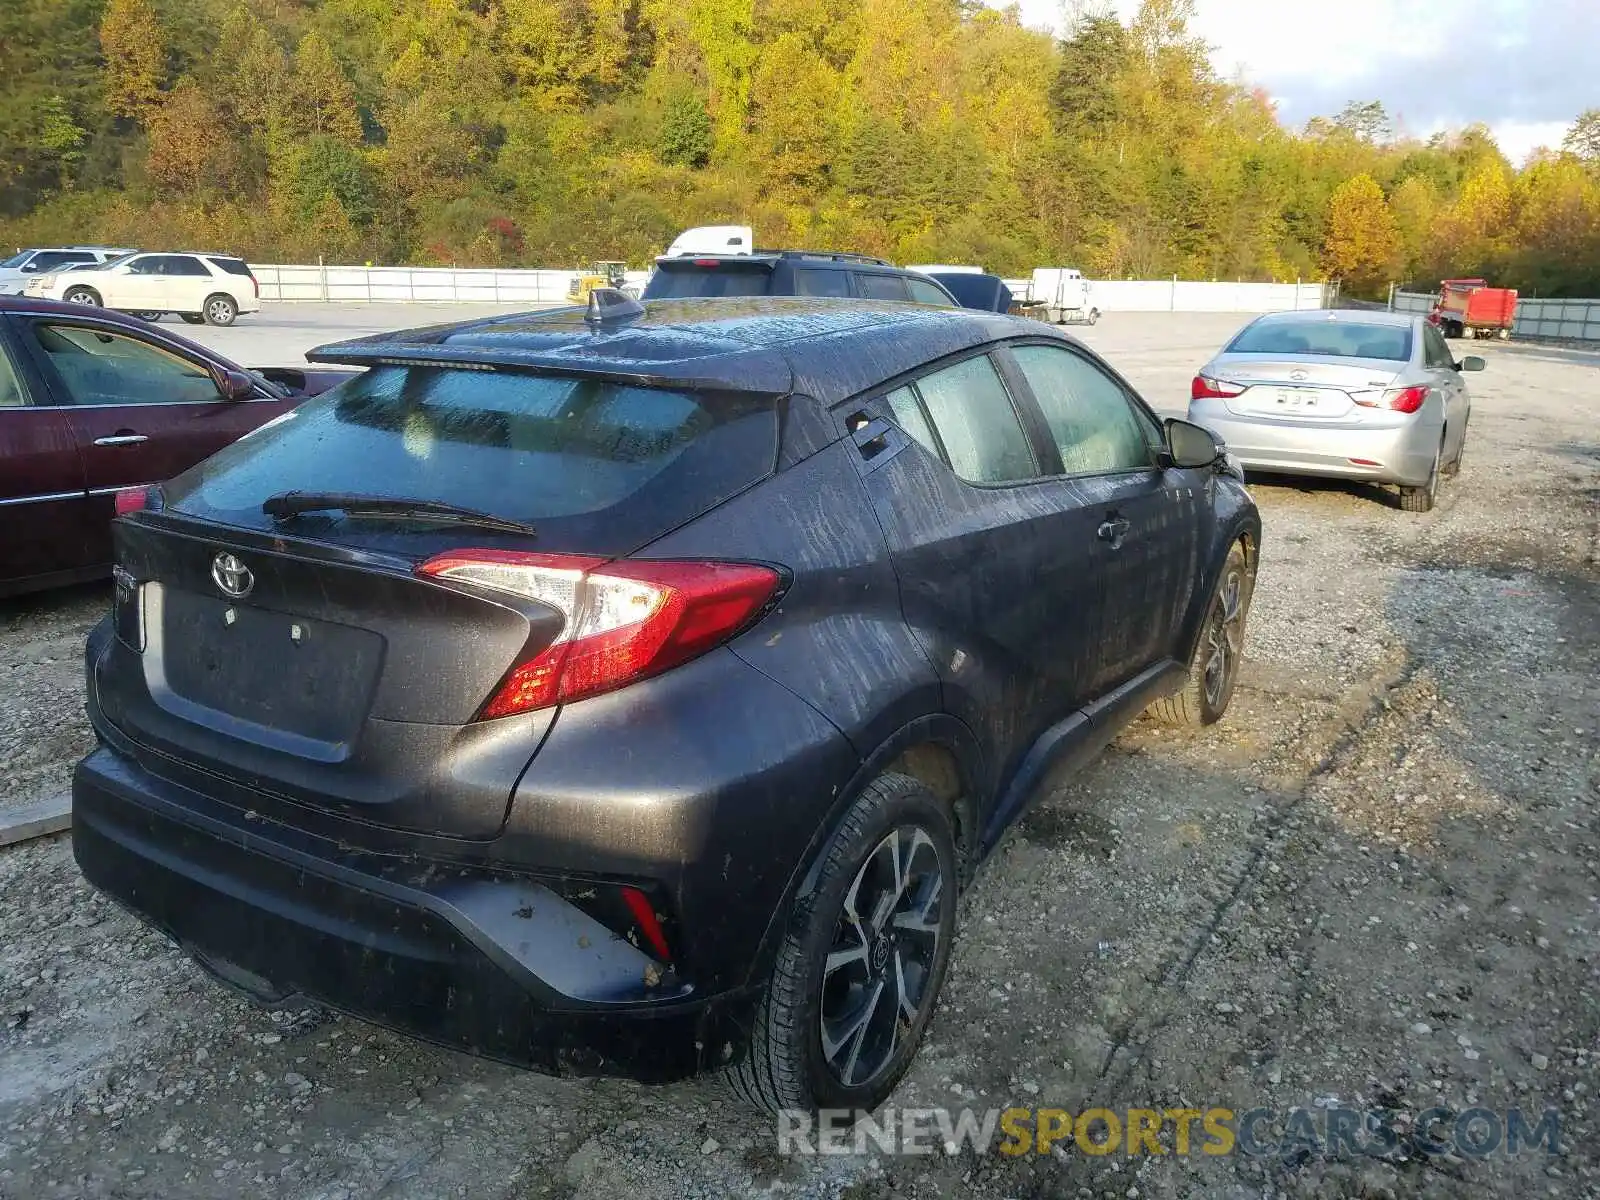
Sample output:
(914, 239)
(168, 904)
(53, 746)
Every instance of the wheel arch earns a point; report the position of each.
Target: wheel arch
(940, 751)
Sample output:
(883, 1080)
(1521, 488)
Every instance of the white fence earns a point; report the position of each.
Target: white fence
(1564, 320)
(1191, 296)
(344, 284)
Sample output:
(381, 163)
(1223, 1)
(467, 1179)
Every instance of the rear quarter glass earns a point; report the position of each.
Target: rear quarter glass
(597, 466)
(233, 266)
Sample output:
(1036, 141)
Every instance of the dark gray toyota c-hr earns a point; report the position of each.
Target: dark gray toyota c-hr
(631, 690)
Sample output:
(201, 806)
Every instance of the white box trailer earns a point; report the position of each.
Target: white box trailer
(1060, 295)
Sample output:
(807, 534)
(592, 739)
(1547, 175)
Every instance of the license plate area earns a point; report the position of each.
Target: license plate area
(1289, 401)
(277, 672)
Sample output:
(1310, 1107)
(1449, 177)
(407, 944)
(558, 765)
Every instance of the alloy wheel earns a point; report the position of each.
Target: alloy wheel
(1224, 638)
(875, 989)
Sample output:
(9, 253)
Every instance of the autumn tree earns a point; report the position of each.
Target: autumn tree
(135, 56)
(1362, 245)
(191, 149)
(324, 99)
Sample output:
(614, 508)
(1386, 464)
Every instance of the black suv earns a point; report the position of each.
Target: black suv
(791, 273)
(633, 694)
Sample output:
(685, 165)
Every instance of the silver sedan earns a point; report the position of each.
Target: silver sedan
(1346, 394)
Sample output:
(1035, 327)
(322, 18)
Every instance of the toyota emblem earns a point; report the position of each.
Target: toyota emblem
(231, 576)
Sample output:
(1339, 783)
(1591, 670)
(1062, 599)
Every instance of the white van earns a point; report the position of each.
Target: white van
(712, 239)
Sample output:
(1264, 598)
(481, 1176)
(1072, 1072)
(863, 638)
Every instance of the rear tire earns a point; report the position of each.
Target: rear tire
(1214, 666)
(152, 317)
(1421, 499)
(859, 971)
(192, 318)
(220, 310)
(82, 295)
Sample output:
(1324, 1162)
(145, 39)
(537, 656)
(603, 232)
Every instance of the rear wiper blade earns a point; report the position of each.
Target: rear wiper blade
(292, 504)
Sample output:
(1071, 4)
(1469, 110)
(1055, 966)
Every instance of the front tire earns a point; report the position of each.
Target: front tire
(1214, 666)
(859, 970)
(192, 318)
(150, 316)
(220, 310)
(82, 295)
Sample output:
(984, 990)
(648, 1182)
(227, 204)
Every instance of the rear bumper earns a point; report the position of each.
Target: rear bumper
(489, 964)
(1401, 453)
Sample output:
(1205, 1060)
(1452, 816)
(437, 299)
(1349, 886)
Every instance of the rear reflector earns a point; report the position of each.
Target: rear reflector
(1205, 387)
(649, 924)
(131, 500)
(625, 620)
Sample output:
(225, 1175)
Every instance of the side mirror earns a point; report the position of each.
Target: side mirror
(1470, 363)
(233, 386)
(28, 268)
(1191, 445)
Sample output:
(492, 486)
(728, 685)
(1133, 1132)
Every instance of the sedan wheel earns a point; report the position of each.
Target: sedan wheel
(1421, 499)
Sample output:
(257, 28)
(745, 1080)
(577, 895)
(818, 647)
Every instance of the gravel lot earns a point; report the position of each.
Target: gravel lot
(1376, 881)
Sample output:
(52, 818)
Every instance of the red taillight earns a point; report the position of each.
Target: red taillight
(131, 500)
(625, 620)
(1406, 400)
(255, 283)
(1206, 388)
(708, 262)
(649, 924)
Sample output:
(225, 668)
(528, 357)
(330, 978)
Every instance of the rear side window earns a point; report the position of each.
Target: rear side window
(975, 418)
(881, 287)
(684, 280)
(590, 462)
(812, 282)
(908, 414)
(233, 266)
(1320, 336)
(182, 264)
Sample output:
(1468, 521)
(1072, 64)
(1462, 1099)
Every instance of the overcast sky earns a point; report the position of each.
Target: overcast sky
(1525, 68)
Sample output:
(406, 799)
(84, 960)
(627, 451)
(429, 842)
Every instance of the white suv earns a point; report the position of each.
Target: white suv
(209, 288)
(25, 264)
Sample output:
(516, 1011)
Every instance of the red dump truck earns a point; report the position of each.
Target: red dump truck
(1470, 308)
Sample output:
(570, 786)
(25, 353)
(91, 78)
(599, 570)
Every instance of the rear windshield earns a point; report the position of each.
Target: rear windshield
(595, 465)
(1335, 339)
(676, 281)
(233, 266)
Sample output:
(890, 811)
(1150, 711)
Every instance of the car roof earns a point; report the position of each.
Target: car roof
(820, 258)
(1353, 316)
(27, 306)
(825, 348)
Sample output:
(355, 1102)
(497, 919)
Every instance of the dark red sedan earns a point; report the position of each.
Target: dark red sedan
(91, 402)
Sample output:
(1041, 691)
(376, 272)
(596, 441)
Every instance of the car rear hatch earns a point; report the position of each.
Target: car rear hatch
(722, 275)
(323, 658)
(1328, 390)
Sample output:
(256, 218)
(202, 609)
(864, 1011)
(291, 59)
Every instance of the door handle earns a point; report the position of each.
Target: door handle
(122, 439)
(1113, 530)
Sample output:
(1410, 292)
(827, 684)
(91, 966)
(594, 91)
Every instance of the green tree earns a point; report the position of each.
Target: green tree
(1583, 139)
(135, 56)
(686, 134)
(324, 99)
(328, 167)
